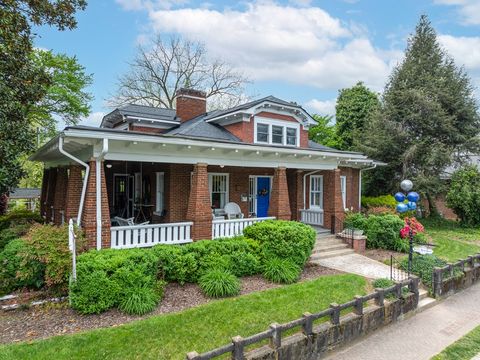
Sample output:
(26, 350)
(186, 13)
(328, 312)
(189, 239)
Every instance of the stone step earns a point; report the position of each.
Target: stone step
(333, 253)
(426, 303)
(329, 247)
(422, 294)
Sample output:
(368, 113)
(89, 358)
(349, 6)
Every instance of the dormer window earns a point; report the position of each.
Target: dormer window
(276, 132)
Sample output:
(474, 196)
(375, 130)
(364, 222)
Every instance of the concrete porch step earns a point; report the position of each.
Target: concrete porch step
(331, 253)
(422, 294)
(329, 247)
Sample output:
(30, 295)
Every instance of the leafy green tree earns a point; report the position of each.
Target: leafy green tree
(22, 83)
(463, 197)
(324, 132)
(428, 118)
(354, 107)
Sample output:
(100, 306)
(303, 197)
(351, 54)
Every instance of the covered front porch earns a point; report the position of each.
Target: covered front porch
(139, 192)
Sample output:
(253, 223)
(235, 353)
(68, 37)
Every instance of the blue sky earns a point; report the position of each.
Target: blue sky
(301, 50)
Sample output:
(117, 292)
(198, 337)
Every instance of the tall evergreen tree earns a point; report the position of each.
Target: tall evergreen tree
(354, 107)
(428, 118)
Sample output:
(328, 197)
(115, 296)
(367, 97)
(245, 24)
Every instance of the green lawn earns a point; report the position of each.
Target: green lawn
(198, 329)
(453, 241)
(463, 349)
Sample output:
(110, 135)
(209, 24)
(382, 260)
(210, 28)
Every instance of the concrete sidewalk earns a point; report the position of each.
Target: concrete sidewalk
(422, 335)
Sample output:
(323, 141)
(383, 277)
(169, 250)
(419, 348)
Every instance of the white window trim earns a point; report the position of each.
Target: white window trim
(210, 184)
(159, 209)
(343, 190)
(269, 123)
(316, 207)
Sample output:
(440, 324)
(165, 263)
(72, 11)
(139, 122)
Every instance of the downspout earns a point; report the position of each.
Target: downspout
(305, 187)
(98, 191)
(360, 185)
(85, 180)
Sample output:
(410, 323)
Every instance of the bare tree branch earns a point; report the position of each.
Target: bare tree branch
(156, 74)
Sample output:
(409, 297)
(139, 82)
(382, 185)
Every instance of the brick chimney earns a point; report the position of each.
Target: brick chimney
(190, 104)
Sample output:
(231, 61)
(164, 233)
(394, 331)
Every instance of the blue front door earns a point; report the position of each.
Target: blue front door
(263, 196)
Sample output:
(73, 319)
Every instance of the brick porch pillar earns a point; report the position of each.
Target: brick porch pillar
(52, 178)
(74, 192)
(60, 195)
(199, 206)
(298, 194)
(43, 194)
(89, 217)
(279, 201)
(333, 204)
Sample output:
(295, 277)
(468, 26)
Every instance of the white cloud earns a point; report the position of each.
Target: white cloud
(465, 50)
(468, 9)
(303, 45)
(94, 119)
(321, 107)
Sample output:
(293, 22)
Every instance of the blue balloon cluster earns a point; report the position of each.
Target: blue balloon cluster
(412, 198)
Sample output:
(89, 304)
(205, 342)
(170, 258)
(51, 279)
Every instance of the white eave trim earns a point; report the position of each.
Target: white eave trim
(158, 139)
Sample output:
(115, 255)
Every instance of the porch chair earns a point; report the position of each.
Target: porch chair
(128, 222)
(233, 211)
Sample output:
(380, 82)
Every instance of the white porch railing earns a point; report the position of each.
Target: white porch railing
(312, 216)
(229, 228)
(125, 237)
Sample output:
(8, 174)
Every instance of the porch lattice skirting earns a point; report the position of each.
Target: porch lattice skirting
(125, 237)
(229, 228)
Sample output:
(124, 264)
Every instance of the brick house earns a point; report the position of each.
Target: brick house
(150, 175)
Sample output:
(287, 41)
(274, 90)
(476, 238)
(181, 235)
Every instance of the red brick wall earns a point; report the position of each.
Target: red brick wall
(199, 210)
(245, 130)
(147, 129)
(279, 198)
(60, 195)
(89, 217)
(52, 179)
(352, 187)
(74, 192)
(43, 194)
(187, 107)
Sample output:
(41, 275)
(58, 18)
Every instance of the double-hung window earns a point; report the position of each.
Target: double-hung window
(277, 132)
(218, 186)
(343, 189)
(160, 192)
(316, 191)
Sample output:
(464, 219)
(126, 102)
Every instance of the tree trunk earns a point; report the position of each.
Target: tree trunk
(432, 208)
(3, 203)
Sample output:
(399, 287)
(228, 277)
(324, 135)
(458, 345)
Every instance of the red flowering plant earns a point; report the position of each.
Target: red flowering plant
(411, 223)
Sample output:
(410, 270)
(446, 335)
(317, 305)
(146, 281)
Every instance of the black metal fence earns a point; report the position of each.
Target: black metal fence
(274, 333)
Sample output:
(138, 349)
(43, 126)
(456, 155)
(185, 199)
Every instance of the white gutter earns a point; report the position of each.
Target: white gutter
(87, 172)
(98, 191)
(360, 185)
(305, 187)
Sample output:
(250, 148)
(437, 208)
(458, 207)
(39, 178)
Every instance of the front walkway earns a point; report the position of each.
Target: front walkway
(423, 335)
(356, 264)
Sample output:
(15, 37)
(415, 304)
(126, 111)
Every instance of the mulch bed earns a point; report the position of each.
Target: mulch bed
(58, 319)
(382, 255)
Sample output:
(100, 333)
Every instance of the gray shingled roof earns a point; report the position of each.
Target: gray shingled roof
(150, 112)
(248, 105)
(198, 128)
(25, 193)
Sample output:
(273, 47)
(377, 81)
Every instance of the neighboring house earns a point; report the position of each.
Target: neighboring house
(25, 196)
(150, 175)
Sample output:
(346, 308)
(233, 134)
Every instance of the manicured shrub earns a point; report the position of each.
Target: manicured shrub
(138, 300)
(19, 216)
(49, 245)
(281, 271)
(383, 283)
(422, 266)
(219, 283)
(463, 197)
(381, 210)
(283, 239)
(355, 220)
(10, 264)
(94, 292)
(377, 201)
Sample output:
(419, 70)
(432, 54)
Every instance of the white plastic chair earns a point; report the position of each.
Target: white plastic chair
(233, 211)
(128, 222)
